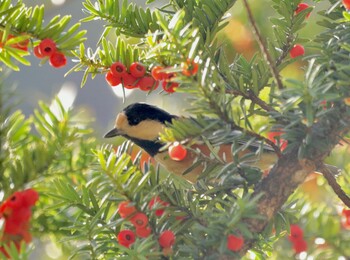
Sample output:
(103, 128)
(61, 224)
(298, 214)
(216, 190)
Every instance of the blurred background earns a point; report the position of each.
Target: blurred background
(100, 102)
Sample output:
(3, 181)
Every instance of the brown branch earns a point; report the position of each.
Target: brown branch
(262, 138)
(289, 172)
(329, 176)
(263, 47)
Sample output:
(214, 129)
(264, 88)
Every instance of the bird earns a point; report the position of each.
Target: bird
(142, 124)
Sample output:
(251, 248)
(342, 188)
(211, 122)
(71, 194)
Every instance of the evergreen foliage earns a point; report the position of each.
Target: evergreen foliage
(81, 182)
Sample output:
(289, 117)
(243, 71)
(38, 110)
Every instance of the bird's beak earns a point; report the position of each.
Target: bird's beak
(112, 133)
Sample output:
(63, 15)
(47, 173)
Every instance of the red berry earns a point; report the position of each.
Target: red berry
(296, 233)
(299, 246)
(126, 238)
(234, 243)
(177, 152)
(37, 53)
(147, 84)
(139, 220)
(275, 137)
(137, 70)
(166, 239)
(297, 50)
(159, 204)
(58, 60)
(301, 7)
(143, 232)
(30, 197)
(129, 81)
(112, 80)
(189, 68)
(346, 4)
(125, 209)
(117, 69)
(157, 74)
(346, 212)
(47, 47)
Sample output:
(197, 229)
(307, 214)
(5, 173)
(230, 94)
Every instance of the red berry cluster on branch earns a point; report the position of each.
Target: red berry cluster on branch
(296, 237)
(136, 76)
(16, 211)
(47, 49)
(140, 222)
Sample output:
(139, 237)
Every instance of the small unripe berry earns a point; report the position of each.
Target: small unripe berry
(117, 69)
(58, 60)
(137, 70)
(47, 47)
(166, 239)
(177, 152)
(297, 50)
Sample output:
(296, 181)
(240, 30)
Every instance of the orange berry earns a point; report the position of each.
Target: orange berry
(177, 152)
(157, 74)
(125, 209)
(189, 68)
(166, 239)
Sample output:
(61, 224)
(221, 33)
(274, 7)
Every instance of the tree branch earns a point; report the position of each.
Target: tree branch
(329, 176)
(263, 47)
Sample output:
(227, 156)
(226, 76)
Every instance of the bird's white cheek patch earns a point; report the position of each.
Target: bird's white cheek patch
(146, 130)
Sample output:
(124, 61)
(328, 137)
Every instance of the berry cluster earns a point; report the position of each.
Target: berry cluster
(346, 218)
(140, 221)
(136, 76)
(47, 49)
(16, 211)
(234, 243)
(296, 237)
(23, 45)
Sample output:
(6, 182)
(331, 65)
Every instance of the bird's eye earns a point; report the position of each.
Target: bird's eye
(134, 121)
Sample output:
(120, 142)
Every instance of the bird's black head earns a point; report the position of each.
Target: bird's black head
(139, 112)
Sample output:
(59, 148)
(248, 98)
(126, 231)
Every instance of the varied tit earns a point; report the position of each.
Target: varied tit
(142, 123)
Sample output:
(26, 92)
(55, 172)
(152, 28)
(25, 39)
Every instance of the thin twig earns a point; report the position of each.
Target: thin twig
(260, 137)
(329, 176)
(263, 47)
